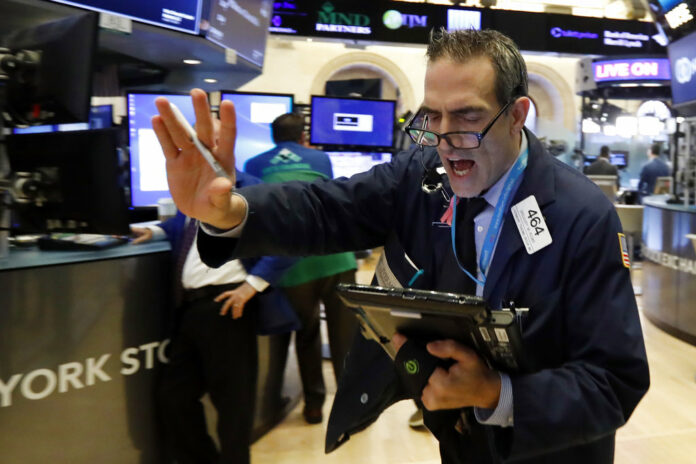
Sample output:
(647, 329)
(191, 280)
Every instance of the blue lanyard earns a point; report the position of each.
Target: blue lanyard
(509, 189)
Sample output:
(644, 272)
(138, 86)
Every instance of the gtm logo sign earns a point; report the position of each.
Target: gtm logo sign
(684, 69)
(394, 19)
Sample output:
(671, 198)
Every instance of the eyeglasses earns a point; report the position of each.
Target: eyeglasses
(456, 139)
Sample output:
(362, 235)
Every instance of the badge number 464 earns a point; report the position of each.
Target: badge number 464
(531, 225)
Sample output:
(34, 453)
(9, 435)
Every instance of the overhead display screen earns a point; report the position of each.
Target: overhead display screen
(241, 25)
(406, 22)
(682, 56)
(675, 17)
(635, 69)
(181, 15)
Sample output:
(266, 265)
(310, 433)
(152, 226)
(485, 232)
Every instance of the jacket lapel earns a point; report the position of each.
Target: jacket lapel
(538, 180)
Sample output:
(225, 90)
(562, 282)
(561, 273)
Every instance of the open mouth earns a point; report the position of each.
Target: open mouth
(461, 167)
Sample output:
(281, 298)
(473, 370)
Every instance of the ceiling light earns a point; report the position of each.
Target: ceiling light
(210, 80)
(192, 61)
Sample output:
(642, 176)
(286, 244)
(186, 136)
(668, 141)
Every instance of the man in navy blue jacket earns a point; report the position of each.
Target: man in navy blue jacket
(546, 238)
(213, 349)
(653, 169)
(312, 280)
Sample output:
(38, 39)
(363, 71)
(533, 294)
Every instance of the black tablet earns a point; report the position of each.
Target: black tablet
(428, 315)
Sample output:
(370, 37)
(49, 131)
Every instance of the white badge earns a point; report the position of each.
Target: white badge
(533, 230)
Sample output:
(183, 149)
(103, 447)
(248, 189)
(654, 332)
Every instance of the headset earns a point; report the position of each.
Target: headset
(431, 182)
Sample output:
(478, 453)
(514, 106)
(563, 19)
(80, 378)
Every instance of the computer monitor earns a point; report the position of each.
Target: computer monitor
(362, 123)
(346, 164)
(619, 158)
(148, 174)
(100, 117)
(589, 159)
(180, 15)
(606, 183)
(255, 113)
(51, 82)
(67, 182)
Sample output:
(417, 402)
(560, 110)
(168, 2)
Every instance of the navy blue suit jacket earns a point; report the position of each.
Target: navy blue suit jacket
(648, 175)
(582, 332)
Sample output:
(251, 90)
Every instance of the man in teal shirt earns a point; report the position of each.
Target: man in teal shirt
(313, 279)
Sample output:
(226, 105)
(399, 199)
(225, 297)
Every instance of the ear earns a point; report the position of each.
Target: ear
(519, 111)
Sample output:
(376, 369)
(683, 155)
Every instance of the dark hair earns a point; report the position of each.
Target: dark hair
(287, 127)
(655, 149)
(462, 45)
(604, 151)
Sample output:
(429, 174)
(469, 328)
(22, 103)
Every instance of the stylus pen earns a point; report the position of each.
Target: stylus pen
(219, 170)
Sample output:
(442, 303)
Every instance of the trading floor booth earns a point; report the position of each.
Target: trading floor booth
(669, 268)
(82, 338)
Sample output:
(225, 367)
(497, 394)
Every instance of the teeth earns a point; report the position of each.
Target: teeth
(462, 173)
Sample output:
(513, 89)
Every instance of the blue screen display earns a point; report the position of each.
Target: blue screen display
(352, 122)
(682, 57)
(148, 175)
(181, 15)
(255, 113)
(100, 117)
(618, 158)
(668, 5)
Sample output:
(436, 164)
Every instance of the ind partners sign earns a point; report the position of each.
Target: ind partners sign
(653, 69)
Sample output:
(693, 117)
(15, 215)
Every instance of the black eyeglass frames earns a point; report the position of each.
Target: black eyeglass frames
(456, 139)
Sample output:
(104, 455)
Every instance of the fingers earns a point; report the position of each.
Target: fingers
(228, 129)
(431, 396)
(226, 307)
(398, 341)
(237, 310)
(177, 133)
(222, 296)
(233, 305)
(204, 120)
(141, 234)
(449, 349)
(219, 191)
(168, 146)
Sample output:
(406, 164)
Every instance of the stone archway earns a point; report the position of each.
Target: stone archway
(376, 64)
(552, 95)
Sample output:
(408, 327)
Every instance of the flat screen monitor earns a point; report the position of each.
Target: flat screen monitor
(682, 57)
(180, 15)
(346, 164)
(255, 113)
(148, 175)
(59, 86)
(352, 122)
(77, 178)
(619, 158)
(589, 159)
(100, 117)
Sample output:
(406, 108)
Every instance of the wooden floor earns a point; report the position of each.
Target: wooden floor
(661, 430)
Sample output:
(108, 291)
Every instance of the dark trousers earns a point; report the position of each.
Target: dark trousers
(341, 323)
(217, 355)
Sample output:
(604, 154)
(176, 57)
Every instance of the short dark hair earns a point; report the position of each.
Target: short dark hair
(287, 127)
(655, 149)
(604, 151)
(511, 71)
